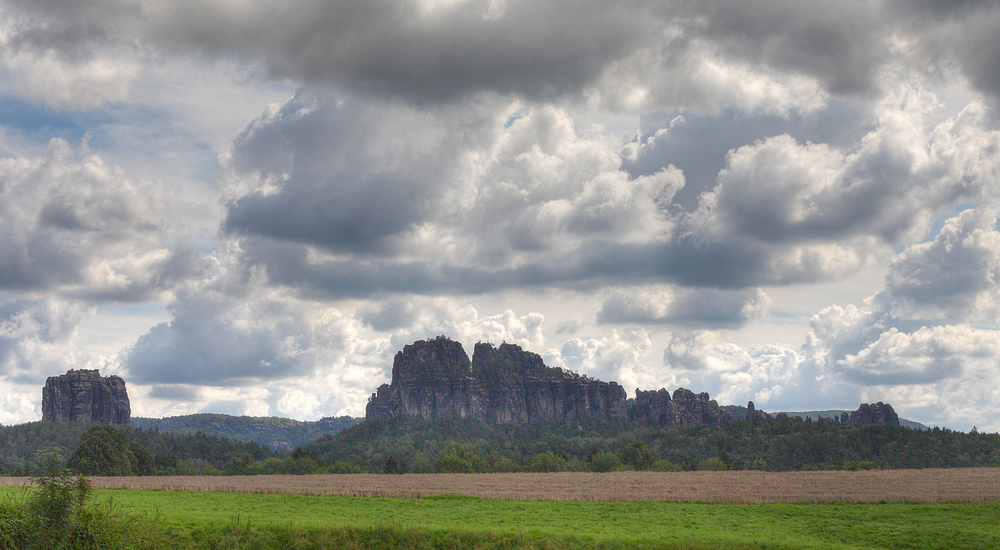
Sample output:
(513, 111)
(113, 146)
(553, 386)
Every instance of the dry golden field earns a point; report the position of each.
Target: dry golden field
(931, 485)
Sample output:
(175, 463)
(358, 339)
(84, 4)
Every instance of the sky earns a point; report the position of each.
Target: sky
(249, 206)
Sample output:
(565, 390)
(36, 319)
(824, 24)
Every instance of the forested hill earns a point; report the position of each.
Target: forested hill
(272, 432)
(188, 453)
(470, 445)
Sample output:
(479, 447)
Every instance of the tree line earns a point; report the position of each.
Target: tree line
(146, 452)
(466, 445)
(405, 445)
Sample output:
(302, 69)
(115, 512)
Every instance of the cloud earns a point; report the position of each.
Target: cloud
(618, 357)
(635, 54)
(346, 174)
(61, 84)
(37, 337)
(772, 375)
(85, 229)
(228, 330)
(705, 307)
(779, 190)
(954, 277)
(420, 317)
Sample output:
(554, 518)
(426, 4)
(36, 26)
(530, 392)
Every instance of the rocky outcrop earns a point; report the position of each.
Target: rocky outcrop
(686, 408)
(436, 379)
(753, 415)
(877, 413)
(430, 379)
(85, 395)
(505, 384)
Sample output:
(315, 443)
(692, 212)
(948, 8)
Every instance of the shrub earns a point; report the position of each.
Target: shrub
(605, 462)
(104, 451)
(712, 464)
(546, 462)
(638, 456)
(664, 465)
(58, 516)
(457, 458)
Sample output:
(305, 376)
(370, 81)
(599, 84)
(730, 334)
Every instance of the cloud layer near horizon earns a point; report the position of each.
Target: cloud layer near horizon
(659, 193)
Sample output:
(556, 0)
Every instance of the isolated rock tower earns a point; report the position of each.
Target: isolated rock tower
(85, 395)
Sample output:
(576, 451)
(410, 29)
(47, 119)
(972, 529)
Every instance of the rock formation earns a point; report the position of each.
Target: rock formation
(877, 413)
(753, 415)
(435, 379)
(685, 409)
(505, 384)
(84, 395)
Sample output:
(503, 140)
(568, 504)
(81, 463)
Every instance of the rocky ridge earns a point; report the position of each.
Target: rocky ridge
(84, 395)
(686, 408)
(436, 379)
(505, 384)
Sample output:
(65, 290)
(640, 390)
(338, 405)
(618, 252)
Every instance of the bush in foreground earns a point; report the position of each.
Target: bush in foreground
(58, 516)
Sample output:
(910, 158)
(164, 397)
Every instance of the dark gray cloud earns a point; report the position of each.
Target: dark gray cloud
(391, 314)
(175, 392)
(698, 144)
(684, 307)
(352, 174)
(839, 43)
(432, 51)
(956, 34)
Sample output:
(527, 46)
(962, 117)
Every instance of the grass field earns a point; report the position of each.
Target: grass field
(578, 524)
(961, 509)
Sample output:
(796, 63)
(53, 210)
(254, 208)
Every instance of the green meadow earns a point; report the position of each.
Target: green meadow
(241, 520)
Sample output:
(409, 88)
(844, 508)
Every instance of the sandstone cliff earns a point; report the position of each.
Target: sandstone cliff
(505, 384)
(686, 408)
(436, 379)
(84, 395)
(876, 413)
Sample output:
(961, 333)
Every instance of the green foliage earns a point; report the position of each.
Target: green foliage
(104, 451)
(605, 462)
(272, 432)
(638, 456)
(58, 516)
(266, 521)
(547, 462)
(664, 465)
(779, 445)
(153, 452)
(712, 464)
(457, 458)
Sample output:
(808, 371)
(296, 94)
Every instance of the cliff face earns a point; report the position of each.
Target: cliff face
(505, 384)
(435, 379)
(84, 395)
(876, 413)
(430, 379)
(686, 408)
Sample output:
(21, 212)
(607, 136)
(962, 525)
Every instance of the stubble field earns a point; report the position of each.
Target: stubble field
(732, 487)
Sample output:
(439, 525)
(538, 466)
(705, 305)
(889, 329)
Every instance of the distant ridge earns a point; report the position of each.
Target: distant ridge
(739, 412)
(272, 432)
(837, 412)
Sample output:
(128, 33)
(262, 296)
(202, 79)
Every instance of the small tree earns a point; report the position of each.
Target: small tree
(459, 459)
(547, 462)
(605, 462)
(104, 451)
(638, 456)
(56, 508)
